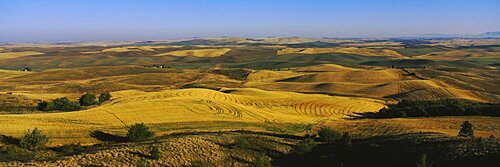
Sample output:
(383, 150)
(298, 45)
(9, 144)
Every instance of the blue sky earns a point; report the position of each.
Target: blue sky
(92, 20)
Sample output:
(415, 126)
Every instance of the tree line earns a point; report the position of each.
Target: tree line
(65, 104)
(449, 107)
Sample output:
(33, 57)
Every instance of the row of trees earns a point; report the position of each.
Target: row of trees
(448, 107)
(64, 104)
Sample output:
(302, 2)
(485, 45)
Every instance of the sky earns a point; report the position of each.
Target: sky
(111, 20)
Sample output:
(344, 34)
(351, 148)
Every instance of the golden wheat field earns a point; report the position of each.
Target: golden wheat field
(12, 55)
(347, 50)
(189, 105)
(197, 52)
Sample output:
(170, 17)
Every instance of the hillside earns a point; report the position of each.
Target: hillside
(238, 107)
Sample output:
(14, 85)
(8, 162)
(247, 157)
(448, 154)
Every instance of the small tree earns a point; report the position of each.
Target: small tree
(466, 130)
(262, 161)
(423, 161)
(154, 152)
(33, 140)
(327, 134)
(104, 97)
(305, 146)
(87, 99)
(139, 132)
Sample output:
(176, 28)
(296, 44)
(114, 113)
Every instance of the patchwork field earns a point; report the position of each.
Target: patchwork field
(227, 101)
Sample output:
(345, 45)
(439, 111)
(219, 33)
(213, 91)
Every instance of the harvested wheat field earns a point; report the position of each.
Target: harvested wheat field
(347, 50)
(12, 55)
(197, 52)
(189, 105)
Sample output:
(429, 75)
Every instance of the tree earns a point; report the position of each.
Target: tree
(327, 134)
(43, 106)
(27, 69)
(423, 161)
(104, 97)
(139, 132)
(33, 140)
(87, 99)
(262, 161)
(154, 152)
(305, 146)
(466, 130)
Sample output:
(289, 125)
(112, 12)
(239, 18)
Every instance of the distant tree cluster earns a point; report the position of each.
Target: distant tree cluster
(448, 107)
(59, 104)
(64, 104)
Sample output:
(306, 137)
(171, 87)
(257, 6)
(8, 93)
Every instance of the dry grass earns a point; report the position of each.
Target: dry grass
(11, 55)
(483, 126)
(459, 55)
(131, 49)
(197, 52)
(348, 50)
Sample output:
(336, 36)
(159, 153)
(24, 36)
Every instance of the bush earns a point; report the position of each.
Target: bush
(346, 139)
(466, 130)
(14, 153)
(305, 146)
(262, 161)
(139, 132)
(154, 152)
(104, 97)
(143, 162)
(327, 134)
(61, 104)
(88, 100)
(33, 140)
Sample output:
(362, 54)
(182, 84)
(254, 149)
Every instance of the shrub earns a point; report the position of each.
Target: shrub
(143, 162)
(327, 134)
(33, 140)
(104, 97)
(305, 146)
(88, 100)
(61, 104)
(242, 142)
(346, 139)
(262, 161)
(154, 152)
(43, 106)
(139, 132)
(14, 153)
(466, 130)
(423, 161)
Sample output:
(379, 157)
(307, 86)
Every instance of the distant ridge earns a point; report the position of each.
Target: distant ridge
(492, 34)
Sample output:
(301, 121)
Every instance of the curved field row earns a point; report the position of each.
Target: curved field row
(188, 105)
(447, 93)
